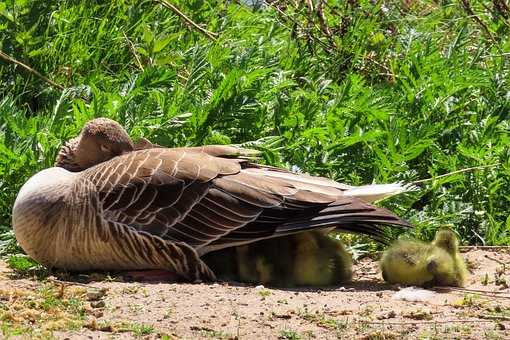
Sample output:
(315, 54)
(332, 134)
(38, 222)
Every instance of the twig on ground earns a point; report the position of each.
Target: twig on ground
(322, 19)
(27, 68)
(494, 317)
(495, 260)
(485, 247)
(494, 294)
(188, 21)
(418, 322)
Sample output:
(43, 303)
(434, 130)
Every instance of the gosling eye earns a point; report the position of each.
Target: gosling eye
(104, 148)
(432, 266)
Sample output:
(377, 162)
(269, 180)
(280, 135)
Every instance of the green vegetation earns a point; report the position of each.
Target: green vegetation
(138, 329)
(22, 263)
(289, 334)
(325, 321)
(41, 311)
(264, 293)
(358, 91)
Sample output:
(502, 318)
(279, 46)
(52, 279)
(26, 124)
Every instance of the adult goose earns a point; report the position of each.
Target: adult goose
(109, 204)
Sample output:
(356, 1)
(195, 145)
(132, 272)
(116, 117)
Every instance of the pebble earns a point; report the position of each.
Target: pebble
(97, 304)
(94, 295)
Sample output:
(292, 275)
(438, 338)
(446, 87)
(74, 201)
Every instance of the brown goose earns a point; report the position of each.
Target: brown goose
(109, 204)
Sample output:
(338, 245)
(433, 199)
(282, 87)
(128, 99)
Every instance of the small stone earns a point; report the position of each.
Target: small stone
(389, 315)
(106, 328)
(418, 315)
(500, 326)
(97, 304)
(91, 324)
(97, 313)
(94, 295)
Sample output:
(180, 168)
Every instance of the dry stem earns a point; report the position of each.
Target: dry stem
(188, 21)
(10, 59)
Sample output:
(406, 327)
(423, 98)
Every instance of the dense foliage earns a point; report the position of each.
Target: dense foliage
(360, 91)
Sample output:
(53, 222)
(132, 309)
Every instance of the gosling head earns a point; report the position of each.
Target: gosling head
(446, 239)
(100, 140)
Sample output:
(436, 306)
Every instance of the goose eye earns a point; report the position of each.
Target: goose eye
(104, 148)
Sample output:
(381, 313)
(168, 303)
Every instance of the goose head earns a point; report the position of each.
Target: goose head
(100, 139)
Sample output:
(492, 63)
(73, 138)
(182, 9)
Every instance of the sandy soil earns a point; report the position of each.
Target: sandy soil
(363, 309)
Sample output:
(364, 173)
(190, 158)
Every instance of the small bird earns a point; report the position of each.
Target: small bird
(413, 262)
(111, 204)
(305, 259)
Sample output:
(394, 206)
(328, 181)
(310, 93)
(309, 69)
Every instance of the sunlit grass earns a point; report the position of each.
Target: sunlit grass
(40, 312)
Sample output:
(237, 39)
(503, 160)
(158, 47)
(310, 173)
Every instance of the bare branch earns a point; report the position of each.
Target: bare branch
(27, 68)
(133, 50)
(284, 15)
(457, 172)
(469, 10)
(322, 19)
(188, 21)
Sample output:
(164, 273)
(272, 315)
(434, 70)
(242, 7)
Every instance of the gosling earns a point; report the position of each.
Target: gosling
(305, 259)
(413, 262)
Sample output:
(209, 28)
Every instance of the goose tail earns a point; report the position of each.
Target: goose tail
(377, 192)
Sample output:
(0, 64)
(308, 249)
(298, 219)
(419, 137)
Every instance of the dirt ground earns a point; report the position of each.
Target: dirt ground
(364, 309)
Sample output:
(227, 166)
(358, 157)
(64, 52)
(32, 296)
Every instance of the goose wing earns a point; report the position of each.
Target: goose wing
(155, 190)
(225, 151)
(192, 195)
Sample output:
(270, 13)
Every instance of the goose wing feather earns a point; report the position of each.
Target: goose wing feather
(210, 202)
(162, 192)
(225, 151)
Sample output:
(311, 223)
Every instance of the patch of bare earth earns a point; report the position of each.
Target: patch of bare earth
(363, 309)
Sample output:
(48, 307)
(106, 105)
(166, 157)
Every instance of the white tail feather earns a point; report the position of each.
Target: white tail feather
(368, 193)
(375, 192)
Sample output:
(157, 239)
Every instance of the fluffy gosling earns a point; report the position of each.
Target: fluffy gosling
(304, 259)
(413, 262)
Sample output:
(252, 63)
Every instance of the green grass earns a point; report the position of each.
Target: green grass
(322, 320)
(396, 93)
(141, 329)
(21, 263)
(289, 335)
(39, 311)
(265, 293)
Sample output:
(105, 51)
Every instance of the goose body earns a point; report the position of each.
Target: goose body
(111, 205)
